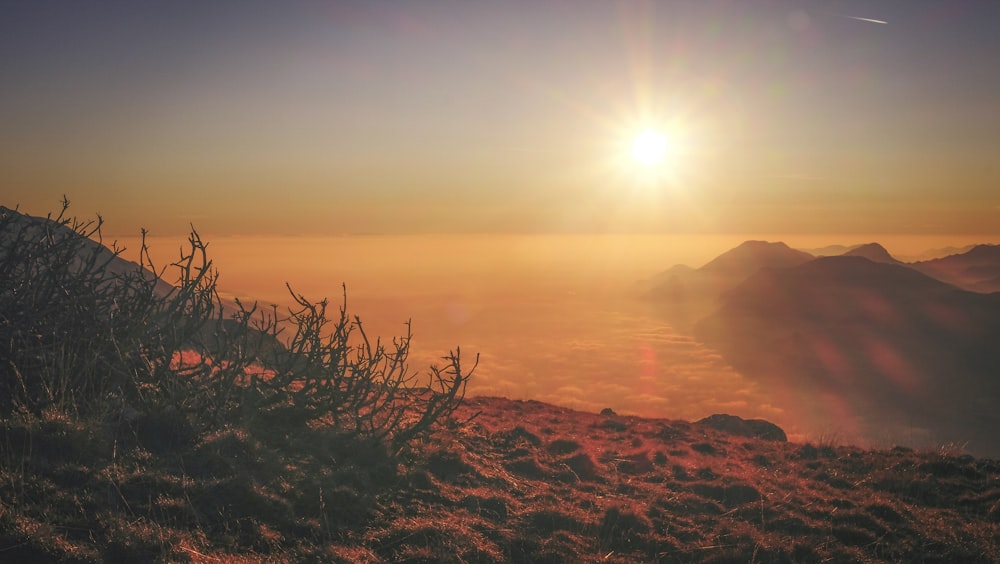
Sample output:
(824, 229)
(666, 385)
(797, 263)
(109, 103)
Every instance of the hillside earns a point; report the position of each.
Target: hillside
(508, 481)
(81, 245)
(886, 343)
(19, 229)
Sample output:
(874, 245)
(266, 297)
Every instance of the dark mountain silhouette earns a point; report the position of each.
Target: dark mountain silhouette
(683, 295)
(876, 344)
(751, 256)
(977, 269)
(873, 252)
(930, 254)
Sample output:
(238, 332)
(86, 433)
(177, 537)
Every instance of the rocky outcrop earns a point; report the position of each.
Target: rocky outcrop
(752, 428)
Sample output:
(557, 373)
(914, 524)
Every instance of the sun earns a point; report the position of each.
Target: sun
(651, 154)
(649, 147)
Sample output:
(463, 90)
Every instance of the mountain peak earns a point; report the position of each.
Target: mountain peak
(751, 256)
(873, 252)
(976, 270)
(983, 251)
(761, 245)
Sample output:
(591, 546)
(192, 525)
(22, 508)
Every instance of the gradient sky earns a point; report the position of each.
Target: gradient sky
(424, 116)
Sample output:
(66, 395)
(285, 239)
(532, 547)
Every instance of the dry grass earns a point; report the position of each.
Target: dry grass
(521, 481)
(539, 482)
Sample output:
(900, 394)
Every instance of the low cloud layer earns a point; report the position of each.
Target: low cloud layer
(591, 356)
(553, 319)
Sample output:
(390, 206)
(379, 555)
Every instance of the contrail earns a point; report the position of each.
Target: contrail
(869, 20)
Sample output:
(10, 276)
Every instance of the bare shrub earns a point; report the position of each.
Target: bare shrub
(80, 333)
(74, 330)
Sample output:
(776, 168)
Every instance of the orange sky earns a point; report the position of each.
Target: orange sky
(389, 117)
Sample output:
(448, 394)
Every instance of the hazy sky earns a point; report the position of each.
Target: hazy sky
(422, 116)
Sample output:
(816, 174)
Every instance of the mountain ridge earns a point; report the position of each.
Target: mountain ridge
(753, 255)
(683, 295)
(33, 228)
(977, 269)
(891, 342)
(873, 252)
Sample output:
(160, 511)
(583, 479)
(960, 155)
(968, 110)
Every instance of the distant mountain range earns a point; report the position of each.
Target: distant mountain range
(858, 339)
(930, 254)
(977, 269)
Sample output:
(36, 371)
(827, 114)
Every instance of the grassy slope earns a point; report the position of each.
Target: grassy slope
(521, 481)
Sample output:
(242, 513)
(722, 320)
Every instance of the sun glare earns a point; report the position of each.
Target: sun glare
(649, 147)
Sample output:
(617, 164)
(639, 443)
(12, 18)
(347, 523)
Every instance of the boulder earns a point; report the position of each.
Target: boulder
(753, 428)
